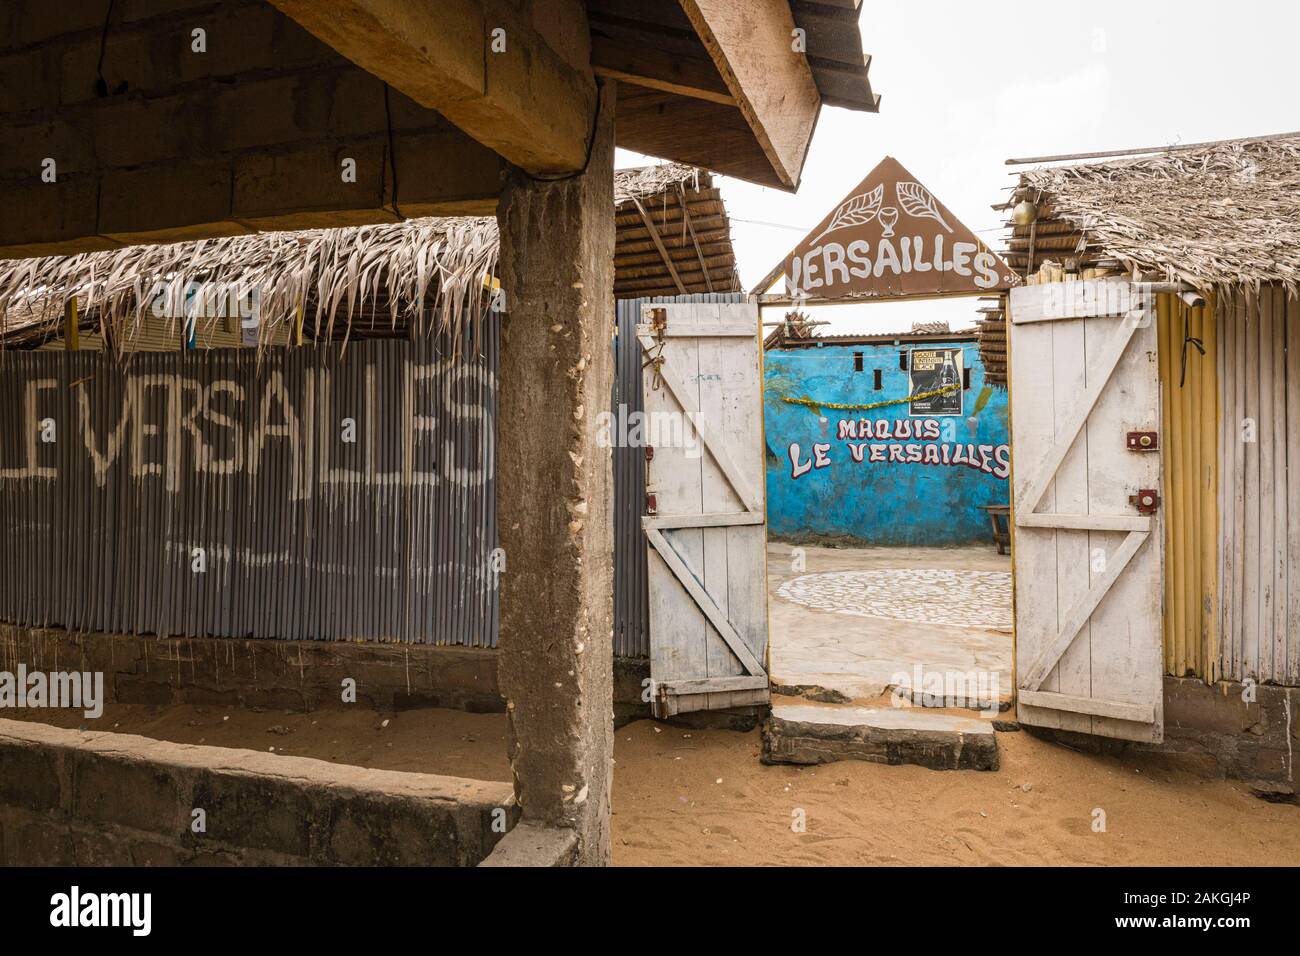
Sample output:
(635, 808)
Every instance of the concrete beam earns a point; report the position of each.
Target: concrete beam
(511, 90)
(753, 47)
(554, 491)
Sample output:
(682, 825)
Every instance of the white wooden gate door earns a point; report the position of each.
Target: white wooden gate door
(705, 526)
(1085, 404)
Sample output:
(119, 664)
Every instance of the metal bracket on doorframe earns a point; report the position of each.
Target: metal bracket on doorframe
(1147, 501)
(1142, 441)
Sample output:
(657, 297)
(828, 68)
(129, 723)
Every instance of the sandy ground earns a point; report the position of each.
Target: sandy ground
(700, 797)
(860, 656)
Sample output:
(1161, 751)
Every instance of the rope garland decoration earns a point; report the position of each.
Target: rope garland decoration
(919, 396)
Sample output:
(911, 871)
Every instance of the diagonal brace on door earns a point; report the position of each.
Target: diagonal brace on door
(1036, 487)
(712, 442)
(1078, 615)
(716, 617)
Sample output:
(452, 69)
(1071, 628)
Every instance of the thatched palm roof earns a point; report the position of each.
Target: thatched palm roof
(673, 236)
(405, 266)
(435, 271)
(1223, 214)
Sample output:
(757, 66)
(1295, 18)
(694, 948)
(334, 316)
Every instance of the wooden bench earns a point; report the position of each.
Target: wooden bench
(1000, 521)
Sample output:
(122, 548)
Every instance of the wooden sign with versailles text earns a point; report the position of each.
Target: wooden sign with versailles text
(891, 238)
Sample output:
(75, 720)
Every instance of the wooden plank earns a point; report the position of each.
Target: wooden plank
(772, 83)
(1293, 491)
(659, 69)
(715, 685)
(1087, 601)
(71, 326)
(704, 601)
(735, 330)
(1125, 629)
(695, 239)
(1070, 671)
(438, 55)
(659, 244)
(713, 444)
(1034, 551)
(1120, 710)
(717, 496)
(1267, 504)
(742, 428)
(677, 625)
(1275, 301)
(1250, 620)
(714, 543)
(710, 520)
(1060, 301)
(1084, 522)
(1079, 613)
(1070, 426)
(663, 124)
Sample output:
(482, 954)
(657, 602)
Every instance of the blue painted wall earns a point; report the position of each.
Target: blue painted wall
(930, 497)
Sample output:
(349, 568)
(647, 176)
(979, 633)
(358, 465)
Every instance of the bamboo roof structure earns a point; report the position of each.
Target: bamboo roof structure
(425, 274)
(672, 234)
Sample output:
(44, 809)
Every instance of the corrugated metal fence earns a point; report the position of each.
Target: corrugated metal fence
(308, 494)
(1259, 491)
(305, 527)
(631, 590)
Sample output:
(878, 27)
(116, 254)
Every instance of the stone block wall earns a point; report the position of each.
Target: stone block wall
(1255, 741)
(75, 798)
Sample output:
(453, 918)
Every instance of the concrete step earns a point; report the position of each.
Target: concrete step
(807, 734)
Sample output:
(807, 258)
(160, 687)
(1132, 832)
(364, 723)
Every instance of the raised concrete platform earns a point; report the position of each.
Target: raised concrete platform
(93, 798)
(806, 734)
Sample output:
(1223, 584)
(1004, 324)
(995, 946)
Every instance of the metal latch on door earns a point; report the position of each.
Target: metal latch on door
(1143, 441)
(1147, 500)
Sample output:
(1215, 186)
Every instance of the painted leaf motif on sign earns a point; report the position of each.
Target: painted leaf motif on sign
(856, 211)
(917, 201)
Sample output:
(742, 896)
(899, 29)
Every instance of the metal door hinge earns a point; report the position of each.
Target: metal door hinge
(651, 504)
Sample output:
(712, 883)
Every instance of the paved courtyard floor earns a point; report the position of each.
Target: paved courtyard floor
(851, 619)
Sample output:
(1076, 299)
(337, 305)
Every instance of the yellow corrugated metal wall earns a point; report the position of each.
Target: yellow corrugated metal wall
(1190, 447)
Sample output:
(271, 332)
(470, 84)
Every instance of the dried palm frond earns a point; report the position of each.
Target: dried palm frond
(419, 268)
(1223, 214)
(651, 180)
(439, 267)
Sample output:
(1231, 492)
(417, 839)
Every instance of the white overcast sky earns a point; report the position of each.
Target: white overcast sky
(965, 86)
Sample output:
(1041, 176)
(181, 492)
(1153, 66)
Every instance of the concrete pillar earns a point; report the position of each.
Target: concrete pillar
(554, 491)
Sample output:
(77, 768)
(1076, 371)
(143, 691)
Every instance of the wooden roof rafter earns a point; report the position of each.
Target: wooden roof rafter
(659, 244)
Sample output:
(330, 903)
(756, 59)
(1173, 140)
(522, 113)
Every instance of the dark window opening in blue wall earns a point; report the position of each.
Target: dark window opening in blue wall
(965, 378)
(902, 359)
(857, 361)
(877, 383)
